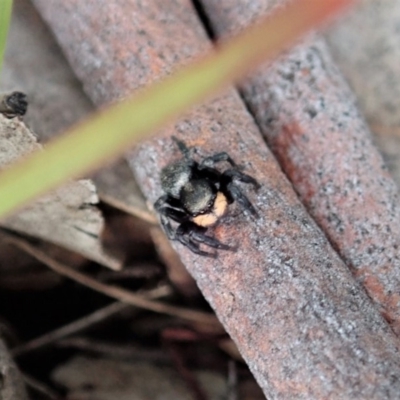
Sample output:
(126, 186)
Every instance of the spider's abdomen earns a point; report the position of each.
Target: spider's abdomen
(174, 177)
(198, 196)
(217, 210)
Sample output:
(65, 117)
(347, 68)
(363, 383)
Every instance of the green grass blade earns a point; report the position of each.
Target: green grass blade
(5, 17)
(112, 131)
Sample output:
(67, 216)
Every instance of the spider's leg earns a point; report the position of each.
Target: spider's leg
(216, 158)
(233, 192)
(183, 236)
(172, 205)
(236, 194)
(234, 174)
(182, 147)
(191, 236)
(168, 229)
(197, 234)
(164, 206)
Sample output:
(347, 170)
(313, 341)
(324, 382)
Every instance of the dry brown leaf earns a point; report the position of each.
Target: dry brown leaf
(129, 381)
(67, 216)
(117, 187)
(34, 64)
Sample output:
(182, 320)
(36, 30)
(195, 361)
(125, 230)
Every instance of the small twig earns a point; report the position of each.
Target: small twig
(41, 387)
(120, 352)
(144, 215)
(232, 384)
(83, 323)
(121, 294)
(186, 374)
(142, 270)
(69, 329)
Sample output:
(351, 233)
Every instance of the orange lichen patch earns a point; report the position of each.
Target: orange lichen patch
(373, 285)
(292, 138)
(389, 302)
(219, 209)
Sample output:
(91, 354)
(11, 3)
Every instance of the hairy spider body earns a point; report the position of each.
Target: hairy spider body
(197, 195)
(13, 104)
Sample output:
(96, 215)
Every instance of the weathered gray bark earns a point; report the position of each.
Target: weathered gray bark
(304, 326)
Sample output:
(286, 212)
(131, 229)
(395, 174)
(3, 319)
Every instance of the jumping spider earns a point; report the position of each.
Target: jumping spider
(13, 104)
(197, 195)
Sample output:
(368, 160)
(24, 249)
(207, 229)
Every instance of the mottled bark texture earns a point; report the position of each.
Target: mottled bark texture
(370, 62)
(304, 326)
(308, 116)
